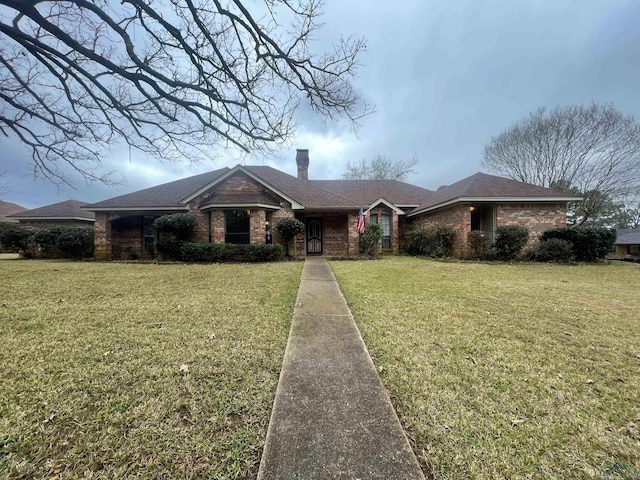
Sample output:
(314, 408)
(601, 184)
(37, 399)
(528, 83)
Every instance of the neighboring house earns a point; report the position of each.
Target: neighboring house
(242, 204)
(627, 244)
(68, 213)
(8, 208)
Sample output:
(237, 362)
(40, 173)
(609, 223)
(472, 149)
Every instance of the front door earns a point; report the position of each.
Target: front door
(314, 236)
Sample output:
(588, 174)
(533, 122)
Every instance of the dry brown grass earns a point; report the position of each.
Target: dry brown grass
(505, 371)
(91, 362)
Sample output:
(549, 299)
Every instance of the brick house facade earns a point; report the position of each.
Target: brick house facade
(243, 204)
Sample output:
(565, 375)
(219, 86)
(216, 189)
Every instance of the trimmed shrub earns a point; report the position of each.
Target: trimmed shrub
(432, 241)
(289, 228)
(13, 238)
(169, 248)
(179, 224)
(477, 244)
(227, 252)
(510, 240)
(589, 243)
(64, 242)
(554, 250)
(370, 239)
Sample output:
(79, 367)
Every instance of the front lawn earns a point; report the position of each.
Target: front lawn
(148, 371)
(505, 371)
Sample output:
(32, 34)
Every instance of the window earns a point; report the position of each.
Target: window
(634, 250)
(385, 223)
(148, 234)
(236, 226)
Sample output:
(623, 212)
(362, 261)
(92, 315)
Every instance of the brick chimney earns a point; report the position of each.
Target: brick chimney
(302, 159)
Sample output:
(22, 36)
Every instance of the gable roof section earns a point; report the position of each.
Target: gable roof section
(365, 192)
(382, 201)
(241, 200)
(246, 170)
(483, 187)
(167, 196)
(67, 210)
(8, 208)
(628, 236)
(306, 192)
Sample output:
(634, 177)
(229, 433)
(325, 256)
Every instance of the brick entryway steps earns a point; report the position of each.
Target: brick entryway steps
(332, 418)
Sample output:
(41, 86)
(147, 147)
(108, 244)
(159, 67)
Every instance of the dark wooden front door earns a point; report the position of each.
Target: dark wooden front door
(314, 236)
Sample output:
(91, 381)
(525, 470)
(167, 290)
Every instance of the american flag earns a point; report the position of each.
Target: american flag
(361, 222)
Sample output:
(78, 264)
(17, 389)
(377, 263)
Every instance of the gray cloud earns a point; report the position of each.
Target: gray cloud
(444, 76)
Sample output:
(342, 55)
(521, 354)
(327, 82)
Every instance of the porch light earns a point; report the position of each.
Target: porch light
(472, 208)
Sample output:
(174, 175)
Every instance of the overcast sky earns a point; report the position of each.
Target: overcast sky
(444, 77)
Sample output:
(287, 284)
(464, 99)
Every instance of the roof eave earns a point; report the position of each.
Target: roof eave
(84, 219)
(239, 205)
(393, 207)
(494, 200)
(136, 209)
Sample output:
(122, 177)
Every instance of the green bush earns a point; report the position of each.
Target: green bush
(510, 240)
(227, 252)
(169, 248)
(432, 241)
(370, 239)
(65, 242)
(589, 243)
(477, 244)
(553, 250)
(13, 238)
(289, 228)
(179, 224)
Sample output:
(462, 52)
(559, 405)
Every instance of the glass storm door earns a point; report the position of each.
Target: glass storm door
(314, 236)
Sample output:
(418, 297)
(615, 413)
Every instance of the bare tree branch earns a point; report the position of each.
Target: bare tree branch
(380, 168)
(594, 148)
(170, 78)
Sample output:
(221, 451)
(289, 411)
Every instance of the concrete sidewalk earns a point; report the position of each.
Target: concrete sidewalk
(332, 417)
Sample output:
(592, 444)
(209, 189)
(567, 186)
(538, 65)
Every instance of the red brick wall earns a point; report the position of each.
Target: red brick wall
(537, 217)
(457, 216)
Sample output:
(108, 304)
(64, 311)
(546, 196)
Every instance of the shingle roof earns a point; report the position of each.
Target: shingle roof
(364, 192)
(628, 236)
(69, 209)
(8, 208)
(334, 194)
(482, 185)
(305, 192)
(165, 195)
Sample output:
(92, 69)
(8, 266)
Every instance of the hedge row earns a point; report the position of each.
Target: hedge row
(588, 244)
(218, 252)
(54, 242)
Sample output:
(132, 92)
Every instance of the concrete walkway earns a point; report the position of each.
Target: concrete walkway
(332, 417)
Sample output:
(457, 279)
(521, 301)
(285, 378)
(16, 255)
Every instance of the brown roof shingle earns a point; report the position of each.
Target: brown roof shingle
(8, 208)
(482, 185)
(365, 192)
(165, 195)
(68, 209)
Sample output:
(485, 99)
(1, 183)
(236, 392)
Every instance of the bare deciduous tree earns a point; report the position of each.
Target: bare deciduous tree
(169, 78)
(595, 148)
(380, 168)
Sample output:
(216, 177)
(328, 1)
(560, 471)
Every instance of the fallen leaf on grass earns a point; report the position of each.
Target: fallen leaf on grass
(633, 431)
(49, 418)
(517, 421)
(184, 368)
(590, 382)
